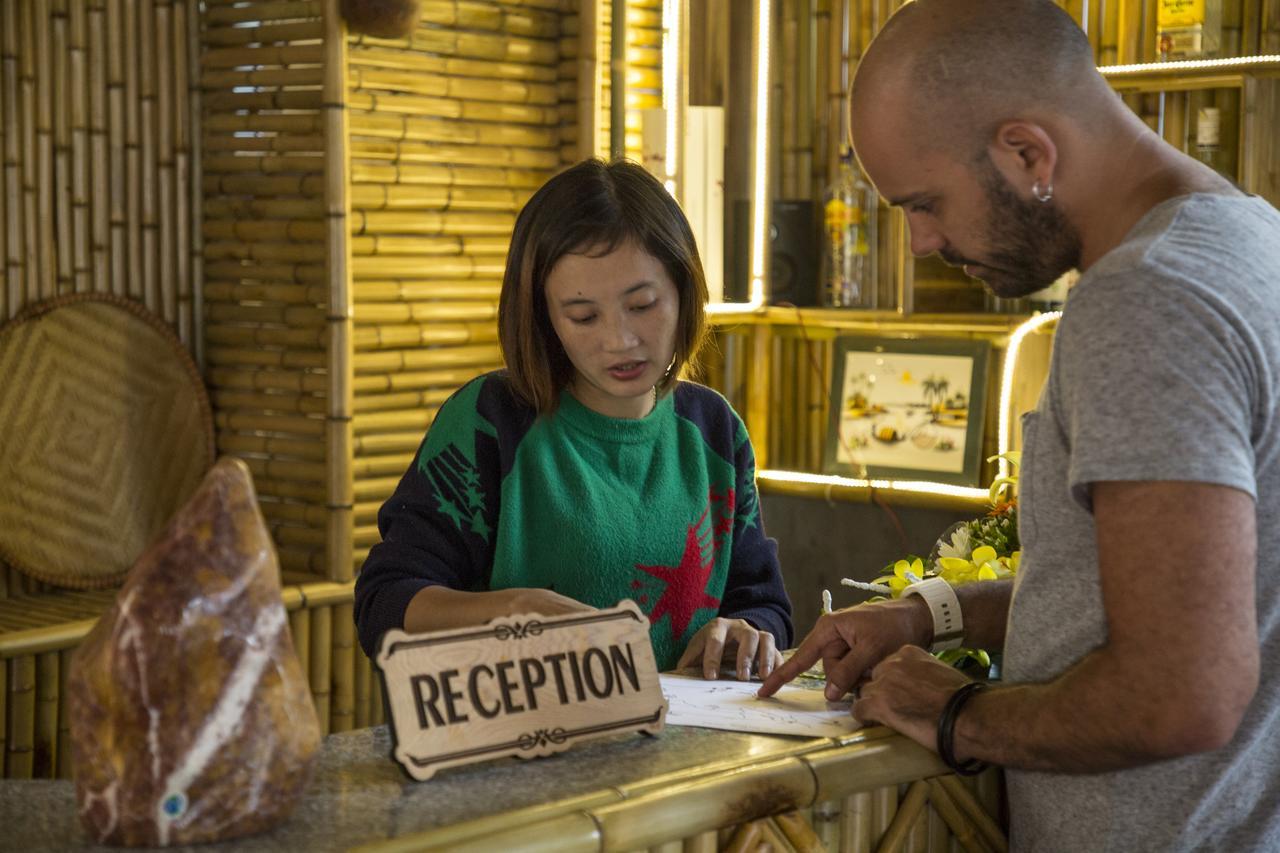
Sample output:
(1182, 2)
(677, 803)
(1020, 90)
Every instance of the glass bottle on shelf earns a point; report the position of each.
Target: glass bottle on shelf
(1188, 29)
(1211, 135)
(848, 229)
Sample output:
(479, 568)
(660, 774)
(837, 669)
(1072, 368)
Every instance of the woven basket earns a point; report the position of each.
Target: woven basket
(107, 430)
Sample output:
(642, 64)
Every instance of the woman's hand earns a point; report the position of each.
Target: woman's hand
(544, 602)
(736, 637)
(438, 608)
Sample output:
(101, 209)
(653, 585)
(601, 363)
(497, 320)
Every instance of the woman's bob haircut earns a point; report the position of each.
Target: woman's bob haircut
(592, 208)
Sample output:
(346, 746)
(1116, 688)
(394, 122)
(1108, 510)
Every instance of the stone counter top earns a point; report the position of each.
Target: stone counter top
(358, 794)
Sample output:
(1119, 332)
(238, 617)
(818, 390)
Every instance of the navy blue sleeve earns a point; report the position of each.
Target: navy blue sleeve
(754, 590)
(437, 528)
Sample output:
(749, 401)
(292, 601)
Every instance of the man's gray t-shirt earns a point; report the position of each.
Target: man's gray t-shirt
(1166, 366)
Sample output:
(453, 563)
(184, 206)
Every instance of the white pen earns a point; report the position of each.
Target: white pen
(826, 601)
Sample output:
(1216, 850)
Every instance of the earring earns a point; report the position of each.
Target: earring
(1044, 195)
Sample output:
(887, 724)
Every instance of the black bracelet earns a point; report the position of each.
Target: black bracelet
(947, 730)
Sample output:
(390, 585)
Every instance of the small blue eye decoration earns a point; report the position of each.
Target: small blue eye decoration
(175, 805)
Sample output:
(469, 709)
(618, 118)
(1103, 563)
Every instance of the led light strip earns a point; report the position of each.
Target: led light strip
(1006, 381)
(915, 486)
(672, 10)
(1189, 65)
(759, 212)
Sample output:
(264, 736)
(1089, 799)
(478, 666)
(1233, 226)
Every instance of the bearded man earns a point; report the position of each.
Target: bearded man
(1141, 683)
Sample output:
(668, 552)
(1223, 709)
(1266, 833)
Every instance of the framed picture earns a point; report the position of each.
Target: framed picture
(908, 409)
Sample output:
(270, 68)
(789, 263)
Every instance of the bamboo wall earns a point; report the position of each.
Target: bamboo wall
(264, 258)
(643, 72)
(451, 131)
(99, 155)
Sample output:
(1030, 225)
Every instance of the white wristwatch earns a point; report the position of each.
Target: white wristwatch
(948, 625)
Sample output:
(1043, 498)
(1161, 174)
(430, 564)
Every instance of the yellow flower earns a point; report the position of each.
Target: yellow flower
(903, 572)
(1014, 458)
(982, 565)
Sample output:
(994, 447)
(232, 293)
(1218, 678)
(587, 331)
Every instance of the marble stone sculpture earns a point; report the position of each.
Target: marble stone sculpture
(191, 720)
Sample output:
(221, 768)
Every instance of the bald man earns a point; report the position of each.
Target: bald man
(1140, 701)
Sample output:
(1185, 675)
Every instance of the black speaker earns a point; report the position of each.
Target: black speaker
(793, 253)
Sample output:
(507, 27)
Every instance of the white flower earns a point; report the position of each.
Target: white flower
(957, 546)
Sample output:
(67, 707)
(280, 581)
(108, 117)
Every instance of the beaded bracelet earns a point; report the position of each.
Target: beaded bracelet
(947, 730)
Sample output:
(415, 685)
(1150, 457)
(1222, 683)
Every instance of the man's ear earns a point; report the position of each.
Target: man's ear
(1025, 154)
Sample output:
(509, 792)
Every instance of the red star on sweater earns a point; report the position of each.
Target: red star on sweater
(686, 583)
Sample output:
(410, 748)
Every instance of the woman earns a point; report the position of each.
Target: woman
(587, 472)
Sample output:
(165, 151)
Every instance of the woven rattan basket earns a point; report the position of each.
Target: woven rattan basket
(107, 430)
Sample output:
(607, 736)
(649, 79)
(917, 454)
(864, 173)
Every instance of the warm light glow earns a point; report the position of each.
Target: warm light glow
(1006, 382)
(1189, 64)
(759, 210)
(917, 486)
(671, 14)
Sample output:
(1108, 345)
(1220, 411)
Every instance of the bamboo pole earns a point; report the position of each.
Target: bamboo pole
(343, 718)
(154, 293)
(300, 628)
(254, 422)
(57, 62)
(30, 143)
(165, 157)
(309, 359)
(97, 160)
(180, 256)
(321, 662)
(45, 752)
(21, 711)
(293, 31)
(10, 182)
(964, 800)
(133, 177)
(904, 820)
(954, 818)
(365, 684)
(117, 208)
(82, 190)
(4, 715)
(47, 67)
(884, 809)
(193, 120)
(235, 57)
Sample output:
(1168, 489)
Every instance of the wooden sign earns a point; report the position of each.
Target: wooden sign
(525, 685)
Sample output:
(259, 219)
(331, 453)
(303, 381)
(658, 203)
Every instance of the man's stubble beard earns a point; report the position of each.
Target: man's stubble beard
(1030, 243)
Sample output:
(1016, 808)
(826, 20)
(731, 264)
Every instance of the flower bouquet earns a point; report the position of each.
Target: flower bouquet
(984, 549)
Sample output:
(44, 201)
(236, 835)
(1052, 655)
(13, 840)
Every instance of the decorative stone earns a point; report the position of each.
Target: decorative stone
(391, 19)
(191, 720)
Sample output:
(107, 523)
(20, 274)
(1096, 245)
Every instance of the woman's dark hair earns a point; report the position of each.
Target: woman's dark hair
(594, 207)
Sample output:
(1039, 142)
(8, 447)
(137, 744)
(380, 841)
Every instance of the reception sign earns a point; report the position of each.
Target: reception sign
(524, 685)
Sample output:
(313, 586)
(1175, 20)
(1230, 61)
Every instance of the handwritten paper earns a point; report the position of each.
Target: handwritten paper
(733, 705)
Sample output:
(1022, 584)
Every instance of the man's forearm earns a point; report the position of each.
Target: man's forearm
(1100, 715)
(985, 609)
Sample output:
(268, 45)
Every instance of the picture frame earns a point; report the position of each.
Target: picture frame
(908, 409)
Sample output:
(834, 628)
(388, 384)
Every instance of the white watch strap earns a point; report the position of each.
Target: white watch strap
(948, 625)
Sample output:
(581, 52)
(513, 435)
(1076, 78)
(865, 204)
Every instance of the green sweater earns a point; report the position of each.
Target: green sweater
(662, 510)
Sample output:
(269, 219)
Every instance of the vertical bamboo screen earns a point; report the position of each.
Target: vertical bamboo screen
(451, 130)
(264, 253)
(98, 191)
